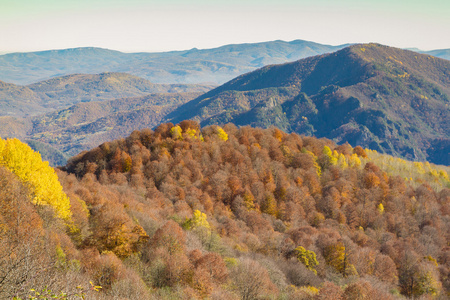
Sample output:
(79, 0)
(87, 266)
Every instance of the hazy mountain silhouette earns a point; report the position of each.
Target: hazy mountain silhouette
(216, 65)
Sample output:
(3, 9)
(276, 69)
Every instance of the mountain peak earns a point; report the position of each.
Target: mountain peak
(384, 98)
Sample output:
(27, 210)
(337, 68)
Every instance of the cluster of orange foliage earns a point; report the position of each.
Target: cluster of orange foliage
(264, 195)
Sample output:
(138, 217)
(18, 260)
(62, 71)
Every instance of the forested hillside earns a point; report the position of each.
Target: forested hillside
(383, 98)
(185, 212)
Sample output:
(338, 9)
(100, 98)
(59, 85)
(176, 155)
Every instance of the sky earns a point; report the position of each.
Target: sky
(165, 25)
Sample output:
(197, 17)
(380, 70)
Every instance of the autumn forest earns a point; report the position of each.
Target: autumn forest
(184, 212)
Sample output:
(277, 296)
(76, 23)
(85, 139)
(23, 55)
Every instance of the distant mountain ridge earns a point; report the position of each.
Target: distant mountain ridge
(391, 100)
(61, 92)
(216, 65)
(441, 53)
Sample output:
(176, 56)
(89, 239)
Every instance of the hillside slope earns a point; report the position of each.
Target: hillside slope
(17, 100)
(302, 211)
(391, 100)
(61, 92)
(184, 212)
(86, 125)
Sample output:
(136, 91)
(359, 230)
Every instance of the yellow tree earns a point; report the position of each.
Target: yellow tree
(176, 133)
(337, 256)
(307, 257)
(332, 160)
(42, 180)
(198, 220)
(221, 133)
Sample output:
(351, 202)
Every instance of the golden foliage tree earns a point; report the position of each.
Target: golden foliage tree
(198, 220)
(27, 164)
(307, 257)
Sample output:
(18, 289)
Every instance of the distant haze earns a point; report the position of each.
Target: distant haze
(163, 25)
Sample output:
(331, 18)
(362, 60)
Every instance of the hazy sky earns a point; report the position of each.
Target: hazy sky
(162, 25)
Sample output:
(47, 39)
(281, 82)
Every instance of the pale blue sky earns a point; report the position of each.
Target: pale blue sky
(157, 25)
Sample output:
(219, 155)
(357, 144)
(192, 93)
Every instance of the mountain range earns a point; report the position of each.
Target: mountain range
(387, 99)
(215, 66)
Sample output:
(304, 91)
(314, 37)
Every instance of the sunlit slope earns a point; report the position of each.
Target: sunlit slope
(387, 99)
